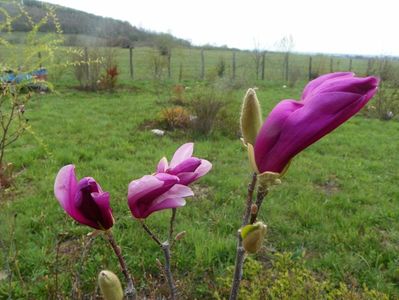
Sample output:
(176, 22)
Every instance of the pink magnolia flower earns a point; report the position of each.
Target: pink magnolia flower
(184, 165)
(326, 103)
(152, 193)
(84, 201)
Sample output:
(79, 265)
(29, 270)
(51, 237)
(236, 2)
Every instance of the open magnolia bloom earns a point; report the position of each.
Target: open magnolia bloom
(326, 103)
(184, 165)
(83, 200)
(152, 193)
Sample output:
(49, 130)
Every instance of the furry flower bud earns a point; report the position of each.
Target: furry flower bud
(110, 285)
(251, 117)
(252, 236)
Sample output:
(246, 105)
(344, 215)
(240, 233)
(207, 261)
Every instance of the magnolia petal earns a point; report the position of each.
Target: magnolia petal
(65, 187)
(162, 165)
(187, 177)
(140, 187)
(314, 84)
(203, 168)
(354, 85)
(188, 165)
(65, 190)
(184, 152)
(102, 200)
(170, 199)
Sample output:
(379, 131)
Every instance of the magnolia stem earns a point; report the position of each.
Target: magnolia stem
(130, 291)
(165, 246)
(240, 252)
(251, 188)
(261, 194)
(169, 276)
(171, 226)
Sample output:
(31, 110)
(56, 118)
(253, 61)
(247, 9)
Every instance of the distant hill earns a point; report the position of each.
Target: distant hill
(77, 23)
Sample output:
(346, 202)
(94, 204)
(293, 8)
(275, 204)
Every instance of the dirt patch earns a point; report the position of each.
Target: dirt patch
(330, 186)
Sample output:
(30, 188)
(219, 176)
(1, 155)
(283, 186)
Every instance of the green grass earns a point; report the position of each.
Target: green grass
(337, 206)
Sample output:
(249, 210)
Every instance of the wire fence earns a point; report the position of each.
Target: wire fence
(199, 64)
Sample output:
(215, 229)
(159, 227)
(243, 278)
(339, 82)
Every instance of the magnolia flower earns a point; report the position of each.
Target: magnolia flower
(184, 166)
(326, 103)
(84, 201)
(151, 193)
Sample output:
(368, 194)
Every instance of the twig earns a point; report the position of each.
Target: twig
(262, 192)
(76, 283)
(169, 276)
(240, 252)
(251, 188)
(240, 256)
(130, 291)
(171, 227)
(152, 235)
(165, 246)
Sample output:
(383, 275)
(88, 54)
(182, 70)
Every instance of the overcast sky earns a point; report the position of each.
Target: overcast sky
(335, 26)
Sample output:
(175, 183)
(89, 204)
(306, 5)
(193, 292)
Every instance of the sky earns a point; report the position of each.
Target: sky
(317, 26)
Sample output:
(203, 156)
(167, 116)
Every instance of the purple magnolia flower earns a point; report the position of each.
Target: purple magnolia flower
(84, 201)
(156, 192)
(326, 103)
(184, 166)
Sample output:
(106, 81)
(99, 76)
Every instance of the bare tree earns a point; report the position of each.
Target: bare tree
(286, 45)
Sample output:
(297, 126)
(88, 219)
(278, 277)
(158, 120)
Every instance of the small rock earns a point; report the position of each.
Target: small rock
(158, 132)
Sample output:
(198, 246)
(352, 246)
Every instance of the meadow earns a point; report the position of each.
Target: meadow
(336, 210)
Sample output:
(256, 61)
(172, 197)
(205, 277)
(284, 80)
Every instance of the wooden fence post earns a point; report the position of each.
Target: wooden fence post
(233, 63)
(331, 64)
(202, 65)
(131, 62)
(310, 68)
(180, 72)
(169, 64)
(369, 64)
(286, 62)
(87, 69)
(39, 54)
(263, 64)
(350, 64)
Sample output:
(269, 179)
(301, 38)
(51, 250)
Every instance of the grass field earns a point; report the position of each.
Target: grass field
(337, 207)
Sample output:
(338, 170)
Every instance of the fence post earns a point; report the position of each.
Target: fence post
(233, 63)
(263, 64)
(180, 72)
(350, 64)
(169, 65)
(331, 64)
(310, 68)
(202, 65)
(39, 54)
(86, 59)
(369, 63)
(286, 61)
(131, 62)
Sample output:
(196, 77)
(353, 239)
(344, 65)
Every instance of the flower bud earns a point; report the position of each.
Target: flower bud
(252, 236)
(251, 117)
(110, 285)
(180, 235)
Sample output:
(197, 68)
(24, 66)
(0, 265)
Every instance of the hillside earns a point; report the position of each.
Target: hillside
(77, 23)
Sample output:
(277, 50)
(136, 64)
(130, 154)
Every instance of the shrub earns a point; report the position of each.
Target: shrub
(87, 64)
(178, 94)
(205, 105)
(109, 79)
(288, 278)
(175, 117)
